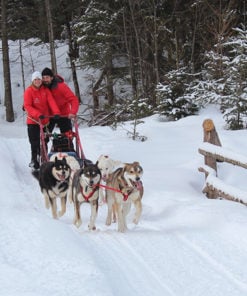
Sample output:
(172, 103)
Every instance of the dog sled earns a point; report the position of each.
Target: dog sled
(60, 144)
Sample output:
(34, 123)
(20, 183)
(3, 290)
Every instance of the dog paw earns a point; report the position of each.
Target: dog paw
(108, 222)
(61, 213)
(135, 221)
(77, 223)
(92, 227)
(121, 228)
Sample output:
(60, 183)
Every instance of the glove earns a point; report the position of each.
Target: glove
(71, 116)
(41, 117)
(56, 116)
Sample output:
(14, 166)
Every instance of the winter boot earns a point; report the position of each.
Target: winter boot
(34, 164)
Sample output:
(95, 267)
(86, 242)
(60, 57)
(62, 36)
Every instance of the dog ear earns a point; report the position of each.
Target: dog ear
(118, 163)
(124, 168)
(99, 171)
(80, 171)
(87, 162)
(64, 161)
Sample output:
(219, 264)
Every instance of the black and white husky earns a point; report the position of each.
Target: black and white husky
(54, 179)
(85, 188)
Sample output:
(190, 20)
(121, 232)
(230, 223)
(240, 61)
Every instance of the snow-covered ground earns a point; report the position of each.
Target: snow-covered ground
(184, 245)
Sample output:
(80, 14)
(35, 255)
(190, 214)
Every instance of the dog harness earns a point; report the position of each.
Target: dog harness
(86, 197)
(125, 195)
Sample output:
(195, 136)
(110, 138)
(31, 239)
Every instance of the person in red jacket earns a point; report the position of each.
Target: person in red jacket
(38, 103)
(66, 100)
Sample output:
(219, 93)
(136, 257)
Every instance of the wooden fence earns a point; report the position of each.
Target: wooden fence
(213, 153)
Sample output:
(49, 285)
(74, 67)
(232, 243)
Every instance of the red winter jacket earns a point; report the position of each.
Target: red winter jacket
(66, 100)
(39, 102)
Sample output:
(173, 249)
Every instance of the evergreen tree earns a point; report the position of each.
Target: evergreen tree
(209, 86)
(174, 98)
(98, 35)
(235, 101)
(223, 79)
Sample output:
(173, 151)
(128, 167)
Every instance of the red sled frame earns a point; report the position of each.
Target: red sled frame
(77, 152)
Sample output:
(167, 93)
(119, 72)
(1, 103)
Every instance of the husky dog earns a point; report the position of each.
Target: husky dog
(85, 188)
(124, 187)
(54, 183)
(107, 166)
(72, 162)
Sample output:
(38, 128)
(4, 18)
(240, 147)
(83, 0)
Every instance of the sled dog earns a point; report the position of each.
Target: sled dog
(72, 162)
(107, 166)
(54, 183)
(85, 188)
(126, 187)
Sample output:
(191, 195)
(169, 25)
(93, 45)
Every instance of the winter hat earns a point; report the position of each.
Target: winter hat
(47, 72)
(36, 75)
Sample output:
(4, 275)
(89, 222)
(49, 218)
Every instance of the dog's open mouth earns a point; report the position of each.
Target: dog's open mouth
(136, 184)
(61, 177)
(104, 178)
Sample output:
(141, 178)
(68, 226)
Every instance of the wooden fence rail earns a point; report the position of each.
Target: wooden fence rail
(213, 152)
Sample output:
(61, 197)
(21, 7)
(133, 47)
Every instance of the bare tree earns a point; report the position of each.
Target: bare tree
(137, 38)
(73, 55)
(6, 69)
(95, 92)
(22, 65)
(155, 38)
(51, 35)
(130, 56)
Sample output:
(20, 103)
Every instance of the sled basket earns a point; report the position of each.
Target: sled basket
(62, 144)
(68, 142)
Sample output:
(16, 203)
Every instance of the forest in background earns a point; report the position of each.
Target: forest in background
(170, 57)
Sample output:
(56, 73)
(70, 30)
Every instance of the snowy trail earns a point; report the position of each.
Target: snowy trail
(184, 245)
(29, 224)
(115, 255)
(220, 264)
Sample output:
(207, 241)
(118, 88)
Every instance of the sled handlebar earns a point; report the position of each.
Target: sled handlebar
(58, 116)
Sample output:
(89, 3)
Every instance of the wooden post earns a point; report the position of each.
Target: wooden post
(210, 136)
